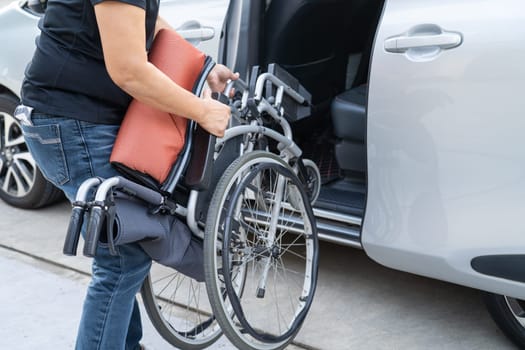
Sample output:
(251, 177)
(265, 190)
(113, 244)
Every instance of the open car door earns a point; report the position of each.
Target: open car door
(445, 147)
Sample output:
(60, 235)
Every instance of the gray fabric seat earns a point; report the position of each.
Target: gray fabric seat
(166, 239)
(349, 120)
(349, 114)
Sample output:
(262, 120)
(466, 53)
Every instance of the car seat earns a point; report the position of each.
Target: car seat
(349, 108)
(304, 37)
(349, 119)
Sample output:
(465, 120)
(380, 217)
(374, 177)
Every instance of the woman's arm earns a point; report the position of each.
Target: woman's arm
(161, 24)
(219, 75)
(125, 56)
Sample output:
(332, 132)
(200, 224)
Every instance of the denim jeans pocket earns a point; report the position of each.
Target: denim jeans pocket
(45, 144)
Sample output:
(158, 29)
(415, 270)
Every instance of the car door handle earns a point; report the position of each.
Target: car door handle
(194, 32)
(201, 34)
(405, 42)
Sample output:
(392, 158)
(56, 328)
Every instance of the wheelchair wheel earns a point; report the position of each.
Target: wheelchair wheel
(313, 179)
(179, 309)
(261, 252)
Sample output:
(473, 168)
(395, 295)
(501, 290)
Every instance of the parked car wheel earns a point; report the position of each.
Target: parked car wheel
(509, 315)
(21, 182)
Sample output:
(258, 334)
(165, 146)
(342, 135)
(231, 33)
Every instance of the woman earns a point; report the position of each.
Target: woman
(90, 60)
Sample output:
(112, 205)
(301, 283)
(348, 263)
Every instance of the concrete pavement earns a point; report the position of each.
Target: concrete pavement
(41, 304)
(359, 304)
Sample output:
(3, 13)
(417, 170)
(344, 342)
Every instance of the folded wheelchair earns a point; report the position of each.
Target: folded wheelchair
(231, 225)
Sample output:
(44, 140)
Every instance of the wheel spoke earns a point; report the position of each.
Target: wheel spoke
(12, 134)
(5, 121)
(17, 167)
(27, 173)
(17, 141)
(13, 184)
(178, 311)
(287, 250)
(170, 276)
(26, 157)
(517, 309)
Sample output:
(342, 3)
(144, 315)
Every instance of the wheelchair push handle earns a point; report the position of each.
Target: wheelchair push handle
(94, 226)
(80, 207)
(73, 230)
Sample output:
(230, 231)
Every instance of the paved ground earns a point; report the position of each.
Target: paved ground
(41, 303)
(359, 304)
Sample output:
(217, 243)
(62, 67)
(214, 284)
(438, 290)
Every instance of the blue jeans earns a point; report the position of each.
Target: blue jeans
(68, 152)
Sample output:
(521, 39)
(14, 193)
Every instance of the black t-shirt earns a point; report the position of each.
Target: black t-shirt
(67, 76)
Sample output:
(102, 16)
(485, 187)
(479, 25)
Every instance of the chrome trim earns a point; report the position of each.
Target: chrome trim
(190, 218)
(83, 190)
(260, 84)
(287, 143)
(332, 227)
(105, 187)
(340, 241)
(330, 215)
(190, 214)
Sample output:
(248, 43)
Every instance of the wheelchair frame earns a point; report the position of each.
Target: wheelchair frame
(247, 122)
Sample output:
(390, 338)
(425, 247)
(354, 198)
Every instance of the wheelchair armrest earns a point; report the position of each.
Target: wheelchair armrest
(200, 168)
(293, 110)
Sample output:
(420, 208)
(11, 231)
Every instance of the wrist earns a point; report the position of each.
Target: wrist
(198, 110)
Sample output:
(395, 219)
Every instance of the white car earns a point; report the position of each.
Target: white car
(417, 126)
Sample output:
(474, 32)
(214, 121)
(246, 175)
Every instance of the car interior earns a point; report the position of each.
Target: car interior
(326, 45)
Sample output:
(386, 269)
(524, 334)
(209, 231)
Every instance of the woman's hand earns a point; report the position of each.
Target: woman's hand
(215, 115)
(219, 76)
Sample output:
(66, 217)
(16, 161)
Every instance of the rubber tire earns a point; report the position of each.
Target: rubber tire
(42, 193)
(164, 329)
(312, 167)
(501, 314)
(214, 293)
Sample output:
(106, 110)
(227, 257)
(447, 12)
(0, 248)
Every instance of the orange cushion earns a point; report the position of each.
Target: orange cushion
(149, 140)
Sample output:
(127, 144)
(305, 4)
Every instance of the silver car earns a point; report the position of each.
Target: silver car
(417, 125)
(21, 183)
